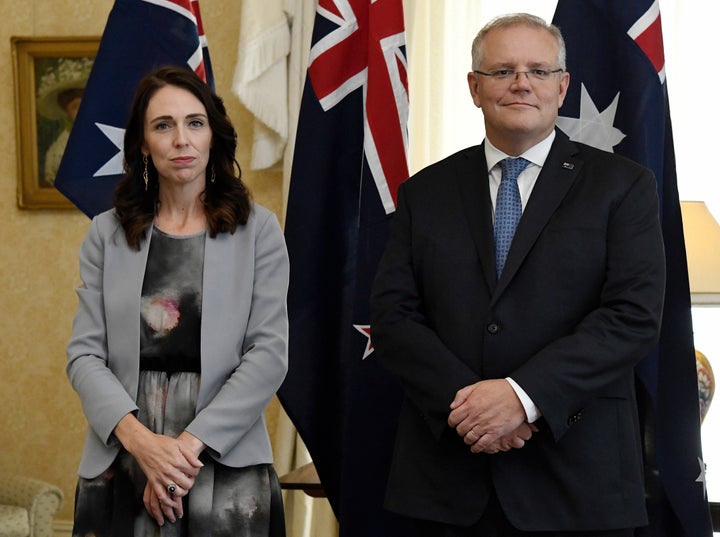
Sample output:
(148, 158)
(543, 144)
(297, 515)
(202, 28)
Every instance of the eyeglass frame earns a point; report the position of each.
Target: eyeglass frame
(509, 76)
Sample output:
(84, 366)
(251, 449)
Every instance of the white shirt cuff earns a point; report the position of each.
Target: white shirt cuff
(531, 411)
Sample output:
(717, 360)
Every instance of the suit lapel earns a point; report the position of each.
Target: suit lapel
(555, 179)
(475, 199)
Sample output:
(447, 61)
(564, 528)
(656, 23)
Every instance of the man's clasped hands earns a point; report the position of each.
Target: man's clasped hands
(489, 417)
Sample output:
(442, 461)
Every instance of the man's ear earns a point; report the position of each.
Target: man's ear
(564, 85)
(474, 86)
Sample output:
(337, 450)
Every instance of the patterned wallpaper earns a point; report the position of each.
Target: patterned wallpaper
(41, 424)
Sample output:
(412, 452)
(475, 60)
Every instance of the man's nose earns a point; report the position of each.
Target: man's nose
(522, 79)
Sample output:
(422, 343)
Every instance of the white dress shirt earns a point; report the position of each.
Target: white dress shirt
(526, 182)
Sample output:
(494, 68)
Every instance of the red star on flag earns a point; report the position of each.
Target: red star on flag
(364, 329)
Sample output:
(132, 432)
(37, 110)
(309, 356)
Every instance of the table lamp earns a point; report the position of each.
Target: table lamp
(702, 245)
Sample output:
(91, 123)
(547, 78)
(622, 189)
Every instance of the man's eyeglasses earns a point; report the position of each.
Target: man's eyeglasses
(539, 75)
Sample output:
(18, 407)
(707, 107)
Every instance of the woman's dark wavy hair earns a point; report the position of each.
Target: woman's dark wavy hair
(227, 200)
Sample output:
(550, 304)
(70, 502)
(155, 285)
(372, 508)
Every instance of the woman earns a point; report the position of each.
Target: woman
(180, 338)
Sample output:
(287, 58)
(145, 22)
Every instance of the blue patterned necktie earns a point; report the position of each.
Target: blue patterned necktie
(508, 208)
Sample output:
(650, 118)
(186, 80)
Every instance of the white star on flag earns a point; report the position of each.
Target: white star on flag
(593, 127)
(114, 166)
(364, 329)
(701, 478)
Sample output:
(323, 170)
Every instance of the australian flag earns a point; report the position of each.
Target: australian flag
(618, 101)
(140, 36)
(349, 159)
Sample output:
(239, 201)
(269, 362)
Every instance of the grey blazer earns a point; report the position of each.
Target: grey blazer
(244, 331)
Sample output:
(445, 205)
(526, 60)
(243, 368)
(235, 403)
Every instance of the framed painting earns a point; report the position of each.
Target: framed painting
(50, 76)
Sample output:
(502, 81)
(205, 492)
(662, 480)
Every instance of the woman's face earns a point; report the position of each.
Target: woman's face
(71, 109)
(177, 137)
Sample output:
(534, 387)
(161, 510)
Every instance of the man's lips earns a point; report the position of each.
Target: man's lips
(520, 104)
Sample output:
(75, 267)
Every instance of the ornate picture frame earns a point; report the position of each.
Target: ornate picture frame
(50, 74)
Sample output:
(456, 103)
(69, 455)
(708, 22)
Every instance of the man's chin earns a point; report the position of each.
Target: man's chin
(518, 136)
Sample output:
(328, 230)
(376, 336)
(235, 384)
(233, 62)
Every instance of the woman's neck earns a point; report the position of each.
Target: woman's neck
(180, 217)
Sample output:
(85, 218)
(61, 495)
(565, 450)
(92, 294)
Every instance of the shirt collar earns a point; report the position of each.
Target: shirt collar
(536, 154)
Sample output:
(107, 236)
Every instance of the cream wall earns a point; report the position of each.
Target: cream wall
(41, 424)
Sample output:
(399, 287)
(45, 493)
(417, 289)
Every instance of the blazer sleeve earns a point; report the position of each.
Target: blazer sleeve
(104, 399)
(405, 344)
(241, 400)
(598, 356)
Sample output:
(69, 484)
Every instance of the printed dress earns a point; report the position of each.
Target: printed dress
(237, 502)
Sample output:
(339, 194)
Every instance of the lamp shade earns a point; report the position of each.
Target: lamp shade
(702, 244)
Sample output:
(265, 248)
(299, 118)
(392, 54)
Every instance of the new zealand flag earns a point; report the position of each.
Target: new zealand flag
(349, 159)
(617, 101)
(140, 36)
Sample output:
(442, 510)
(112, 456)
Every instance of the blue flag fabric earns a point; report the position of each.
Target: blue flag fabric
(349, 159)
(140, 36)
(617, 101)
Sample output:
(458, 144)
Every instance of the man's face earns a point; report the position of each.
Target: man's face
(519, 111)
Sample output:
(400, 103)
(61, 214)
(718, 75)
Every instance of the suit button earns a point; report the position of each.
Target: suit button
(493, 328)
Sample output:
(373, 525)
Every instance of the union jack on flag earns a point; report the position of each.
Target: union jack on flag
(647, 34)
(190, 9)
(350, 158)
(366, 50)
(140, 36)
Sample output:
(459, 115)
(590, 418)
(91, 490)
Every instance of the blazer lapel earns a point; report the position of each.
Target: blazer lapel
(475, 193)
(555, 179)
(128, 269)
(218, 301)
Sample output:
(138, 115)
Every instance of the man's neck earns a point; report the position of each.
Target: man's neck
(515, 145)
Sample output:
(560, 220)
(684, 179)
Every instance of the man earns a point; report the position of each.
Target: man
(519, 416)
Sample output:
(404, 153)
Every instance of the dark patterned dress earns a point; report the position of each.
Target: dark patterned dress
(237, 502)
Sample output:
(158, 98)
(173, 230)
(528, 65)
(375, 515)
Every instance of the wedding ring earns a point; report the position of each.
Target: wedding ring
(171, 488)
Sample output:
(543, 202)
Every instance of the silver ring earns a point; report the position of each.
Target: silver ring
(171, 488)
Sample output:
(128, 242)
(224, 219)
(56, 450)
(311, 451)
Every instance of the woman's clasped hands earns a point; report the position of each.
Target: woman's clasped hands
(169, 464)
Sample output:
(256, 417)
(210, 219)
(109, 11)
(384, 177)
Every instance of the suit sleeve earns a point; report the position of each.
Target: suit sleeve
(104, 399)
(429, 372)
(607, 343)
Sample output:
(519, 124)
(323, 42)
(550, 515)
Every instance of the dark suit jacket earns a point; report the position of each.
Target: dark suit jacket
(579, 303)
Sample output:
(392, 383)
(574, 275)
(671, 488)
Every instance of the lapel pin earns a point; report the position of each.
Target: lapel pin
(568, 165)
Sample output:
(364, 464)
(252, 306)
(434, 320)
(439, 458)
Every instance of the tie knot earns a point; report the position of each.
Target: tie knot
(512, 167)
